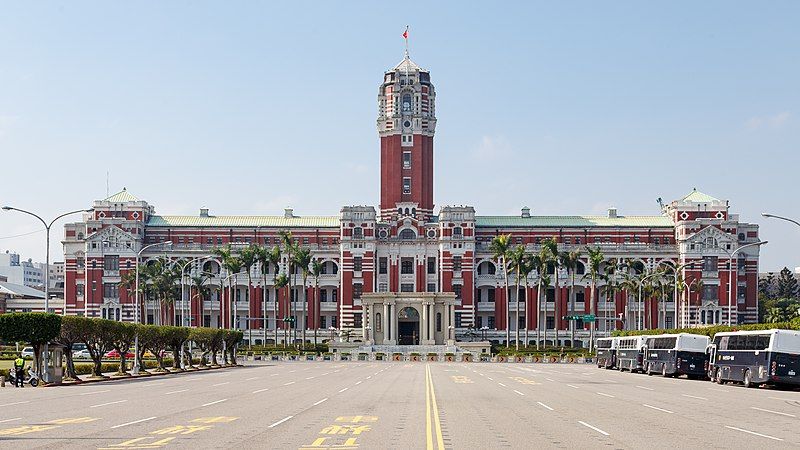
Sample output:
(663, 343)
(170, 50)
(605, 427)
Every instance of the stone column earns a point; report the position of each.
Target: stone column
(423, 326)
(385, 322)
(393, 324)
(364, 319)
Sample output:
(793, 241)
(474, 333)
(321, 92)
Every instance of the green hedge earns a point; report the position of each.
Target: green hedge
(712, 330)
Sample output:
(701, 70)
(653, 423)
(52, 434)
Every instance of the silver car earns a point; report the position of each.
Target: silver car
(27, 352)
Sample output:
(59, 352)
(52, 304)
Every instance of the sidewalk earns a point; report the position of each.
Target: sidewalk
(112, 376)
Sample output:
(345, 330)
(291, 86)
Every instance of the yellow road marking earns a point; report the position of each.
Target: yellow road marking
(432, 408)
(138, 444)
(356, 419)
(221, 419)
(74, 420)
(25, 429)
(523, 380)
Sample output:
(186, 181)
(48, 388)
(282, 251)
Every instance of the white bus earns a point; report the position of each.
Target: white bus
(630, 353)
(756, 357)
(676, 354)
(607, 352)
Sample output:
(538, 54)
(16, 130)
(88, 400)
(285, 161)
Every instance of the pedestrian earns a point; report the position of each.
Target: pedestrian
(19, 371)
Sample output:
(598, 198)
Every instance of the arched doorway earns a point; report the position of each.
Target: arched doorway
(408, 326)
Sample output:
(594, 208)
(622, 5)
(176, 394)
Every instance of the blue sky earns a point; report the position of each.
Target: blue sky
(247, 107)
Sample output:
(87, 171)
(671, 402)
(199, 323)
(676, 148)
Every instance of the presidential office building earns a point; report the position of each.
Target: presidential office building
(407, 273)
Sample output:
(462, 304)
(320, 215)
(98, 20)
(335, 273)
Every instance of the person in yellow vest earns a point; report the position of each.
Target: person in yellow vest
(19, 371)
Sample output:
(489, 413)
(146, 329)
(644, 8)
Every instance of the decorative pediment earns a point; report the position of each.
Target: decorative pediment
(112, 238)
(719, 236)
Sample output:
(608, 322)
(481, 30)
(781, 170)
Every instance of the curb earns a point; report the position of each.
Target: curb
(140, 376)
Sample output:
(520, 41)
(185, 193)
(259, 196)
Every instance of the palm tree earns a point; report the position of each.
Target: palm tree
(289, 248)
(556, 259)
(274, 259)
(595, 259)
(525, 269)
(262, 259)
(224, 253)
(542, 263)
(500, 247)
(249, 256)
(629, 285)
(232, 265)
(281, 281)
(611, 285)
(303, 259)
(570, 262)
(316, 271)
(516, 261)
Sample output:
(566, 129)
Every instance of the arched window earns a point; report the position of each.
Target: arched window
(399, 211)
(413, 211)
(580, 269)
(408, 234)
(406, 102)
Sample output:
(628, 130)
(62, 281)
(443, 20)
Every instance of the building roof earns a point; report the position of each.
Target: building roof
(407, 66)
(573, 221)
(244, 221)
(699, 197)
(122, 197)
(18, 290)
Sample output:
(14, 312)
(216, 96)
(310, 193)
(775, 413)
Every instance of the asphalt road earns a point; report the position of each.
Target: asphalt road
(380, 405)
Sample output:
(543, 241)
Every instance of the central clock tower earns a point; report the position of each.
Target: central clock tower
(406, 125)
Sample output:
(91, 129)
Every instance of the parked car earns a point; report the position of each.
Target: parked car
(115, 354)
(78, 347)
(81, 354)
(27, 352)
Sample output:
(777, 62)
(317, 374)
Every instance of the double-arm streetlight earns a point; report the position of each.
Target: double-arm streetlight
(47, 226)
(640, 282)
(187, 263)
(136, 362)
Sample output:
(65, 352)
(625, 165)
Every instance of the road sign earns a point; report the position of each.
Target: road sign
(588, 317)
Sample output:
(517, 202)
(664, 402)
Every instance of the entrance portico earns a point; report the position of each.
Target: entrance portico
(413, 318)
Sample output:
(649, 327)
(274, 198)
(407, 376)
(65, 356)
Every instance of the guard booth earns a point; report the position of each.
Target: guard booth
(55, 363)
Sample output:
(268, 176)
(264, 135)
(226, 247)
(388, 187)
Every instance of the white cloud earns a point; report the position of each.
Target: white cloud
(492, 148)
(773, 121)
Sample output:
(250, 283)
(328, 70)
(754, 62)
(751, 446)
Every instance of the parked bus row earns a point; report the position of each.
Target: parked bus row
(752, 358)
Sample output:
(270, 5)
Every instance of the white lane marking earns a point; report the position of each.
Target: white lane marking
(645, 388)
(310, 378)
(490, 378)
(94, 392)
(501, 384)
(657, 408)
(694, 396)
(544, 406)
(609, 381)
(343, 389)
(280, 422)
(593, 427)
(215, 402)
(176, 392)
(784, 399)
(518, 392)
(260, 391)
(369, 377)
(328, 373)
(773, 412)
(380, 372)
(717, 390)
(221, 384)
(606, 395)
(754, 433)
(109, 403)
(292, 371)
(549, 379)
(274, 375)
(358, 382)
(153, 383)
(132, 423)
(287, 384)
(321, 401)
(16, 403)
(251, 379)
(573, 386)
(10, 420)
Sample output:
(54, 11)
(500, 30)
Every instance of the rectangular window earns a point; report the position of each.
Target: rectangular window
(457, 291)
(456, 263)
(111, 262)
(333, 321)
(431, 287)
(334, 295)
(210, 241)
(407, 266)
(479, 322)
(431, 266)
(79, 290)
(357, 318)
(383, 287)
(358, 289)
(382, 266)
(490, 295)
(357, 261)
(323, 322)
(110, 290)
(406, 160)
(551, 322)
(458, 320)
(406, 185)
(323, 295)
(407, 287)
(491, 322)
(710, 292)
(710, 264)
(219, 241)
(305, 241)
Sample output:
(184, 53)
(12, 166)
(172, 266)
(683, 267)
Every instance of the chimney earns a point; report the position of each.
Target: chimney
(288, 213)
(526, 212)
(204, 212)
(612, 213)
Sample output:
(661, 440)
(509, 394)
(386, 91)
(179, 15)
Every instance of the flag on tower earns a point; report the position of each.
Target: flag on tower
(405, 33)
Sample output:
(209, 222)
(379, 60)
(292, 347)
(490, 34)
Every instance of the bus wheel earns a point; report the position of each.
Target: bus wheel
(719, 377)
(748, 379)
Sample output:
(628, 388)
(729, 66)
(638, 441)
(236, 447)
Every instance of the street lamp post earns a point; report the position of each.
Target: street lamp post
(136, 362)
(47, 227)
(730, 274)
(183, 300)
(640, 320)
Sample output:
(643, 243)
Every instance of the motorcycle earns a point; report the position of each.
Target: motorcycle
(32, 377)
